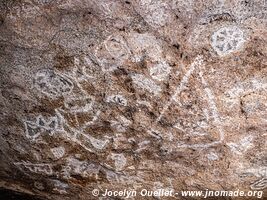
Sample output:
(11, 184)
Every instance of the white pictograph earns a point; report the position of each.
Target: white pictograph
(84, 70)
(143, 145)
(142, 82)
(120, 124)
(259, 172)
(60, 187)
(227, 40)
(58, 152)
(78, 136)
(260, 184)
(197, 63)
(242, 146)
(117, 99)
(52, 84)
(39, 168)
(76, 104)
(83, 168)
(34, 129)
(120, 161)
(112, 52)
(212, 156)
(160, 71)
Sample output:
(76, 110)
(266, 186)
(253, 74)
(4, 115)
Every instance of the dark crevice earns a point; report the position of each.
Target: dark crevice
(6, 194)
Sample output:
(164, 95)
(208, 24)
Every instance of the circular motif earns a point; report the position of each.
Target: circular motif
(227, 40)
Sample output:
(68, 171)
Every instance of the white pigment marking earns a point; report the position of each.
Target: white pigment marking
(76, 104)
(85, 140)
(118, 99)
(60, 187)
(197, 62)
(260, 184)
(160, 71)
(145, 83)
(58, 152)
(36, 168)
(52, 84)
(242, 146)
(34, 129)
(227, 40)
(120, 161)
(121, 124)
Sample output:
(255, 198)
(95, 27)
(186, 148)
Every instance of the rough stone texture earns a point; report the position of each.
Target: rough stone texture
(132, 94)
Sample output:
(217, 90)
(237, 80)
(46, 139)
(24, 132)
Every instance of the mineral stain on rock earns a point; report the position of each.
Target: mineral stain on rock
(115, 95)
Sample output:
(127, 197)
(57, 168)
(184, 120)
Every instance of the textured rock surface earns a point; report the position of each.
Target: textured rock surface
(132, 94)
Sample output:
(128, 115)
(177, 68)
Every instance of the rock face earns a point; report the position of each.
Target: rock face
(137, 94)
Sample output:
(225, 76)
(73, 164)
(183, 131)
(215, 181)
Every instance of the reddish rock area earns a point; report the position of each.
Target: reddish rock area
(118, 95)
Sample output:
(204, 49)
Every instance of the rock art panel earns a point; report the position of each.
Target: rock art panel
(129, 95)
